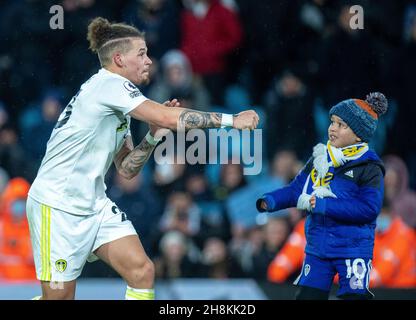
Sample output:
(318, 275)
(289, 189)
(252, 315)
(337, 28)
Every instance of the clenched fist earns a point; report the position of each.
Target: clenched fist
(248, 119)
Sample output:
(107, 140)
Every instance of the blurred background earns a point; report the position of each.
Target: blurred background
(289, 60)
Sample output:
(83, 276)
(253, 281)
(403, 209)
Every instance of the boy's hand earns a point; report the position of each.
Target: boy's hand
(261, 205)
(312, 201)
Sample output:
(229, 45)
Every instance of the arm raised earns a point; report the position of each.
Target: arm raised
(177, 118)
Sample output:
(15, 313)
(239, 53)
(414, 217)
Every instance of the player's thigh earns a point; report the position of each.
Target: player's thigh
(123, 254)
(354, 277)
(117, 242)
(61, 242)
(316, 273)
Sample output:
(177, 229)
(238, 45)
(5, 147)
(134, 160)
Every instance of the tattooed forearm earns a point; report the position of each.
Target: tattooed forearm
(191, 119)
(135, 160)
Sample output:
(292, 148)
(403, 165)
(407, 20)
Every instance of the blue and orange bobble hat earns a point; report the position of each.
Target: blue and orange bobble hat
(362, 115)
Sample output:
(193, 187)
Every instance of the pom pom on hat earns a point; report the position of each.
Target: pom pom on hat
(378, 102)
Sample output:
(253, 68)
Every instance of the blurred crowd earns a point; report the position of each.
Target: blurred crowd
(289, 60)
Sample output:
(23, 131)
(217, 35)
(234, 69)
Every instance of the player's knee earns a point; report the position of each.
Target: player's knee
(58, 294)
(142, 275)
(58, 290)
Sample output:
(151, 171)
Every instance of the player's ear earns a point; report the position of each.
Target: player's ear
(118, 59)
(358, 139)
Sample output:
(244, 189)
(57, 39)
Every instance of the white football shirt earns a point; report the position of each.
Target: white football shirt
(88, 135)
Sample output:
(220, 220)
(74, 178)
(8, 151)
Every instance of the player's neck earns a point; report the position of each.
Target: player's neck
(114, 69)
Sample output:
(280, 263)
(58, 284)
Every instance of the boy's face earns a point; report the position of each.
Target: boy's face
(340, 134)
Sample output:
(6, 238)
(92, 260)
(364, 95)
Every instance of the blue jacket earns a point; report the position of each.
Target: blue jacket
(341, 227)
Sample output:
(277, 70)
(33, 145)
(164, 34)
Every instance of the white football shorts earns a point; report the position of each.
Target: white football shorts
(62, 242)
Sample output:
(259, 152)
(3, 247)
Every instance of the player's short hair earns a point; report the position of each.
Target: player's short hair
(105, 38)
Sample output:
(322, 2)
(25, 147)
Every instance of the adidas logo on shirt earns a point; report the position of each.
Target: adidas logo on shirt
(350, 174)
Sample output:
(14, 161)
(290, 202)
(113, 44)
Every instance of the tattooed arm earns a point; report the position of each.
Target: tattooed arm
(129, 161)
(192, 119)
(184, 119)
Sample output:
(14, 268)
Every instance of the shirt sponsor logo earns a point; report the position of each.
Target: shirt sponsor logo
(135, 94)
(130, 87)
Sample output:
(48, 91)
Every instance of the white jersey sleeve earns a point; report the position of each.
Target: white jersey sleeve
(127, 98)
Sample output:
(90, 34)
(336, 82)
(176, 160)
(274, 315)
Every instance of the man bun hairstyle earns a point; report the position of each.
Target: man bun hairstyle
(105, 38)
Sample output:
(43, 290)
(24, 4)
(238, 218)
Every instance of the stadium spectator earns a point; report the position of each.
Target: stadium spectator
(4, 180)
(285, 165)
(289, 259)
(159, 19)
(357, 72)
(217, 263)
(269, 42)
(176, 259)
(396, 183)
(181, 214)
(169, 176)
(244, 243)
(4, 115)
(13, 157)
(231, 179)
(16, 259)
(49, 111)
(214, 222)
(394, 260)
(316, 20)
(289, 107)
(209, 33)
(142, 205)
(403, 69)
(177, 81)
(275, 233)
(78, 14)
(23, 63)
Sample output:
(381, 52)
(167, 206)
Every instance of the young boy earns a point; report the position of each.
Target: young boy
(341, 187)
